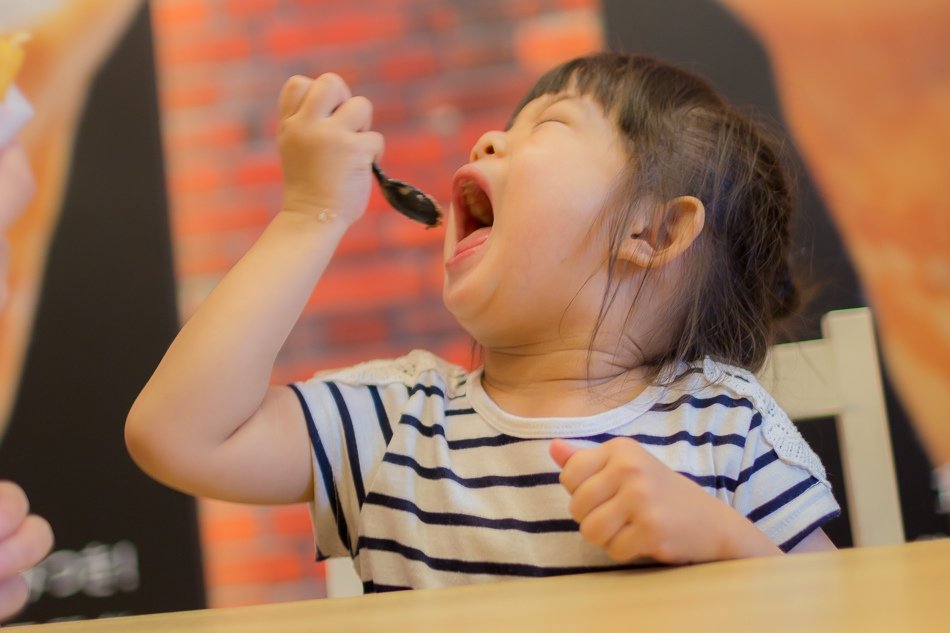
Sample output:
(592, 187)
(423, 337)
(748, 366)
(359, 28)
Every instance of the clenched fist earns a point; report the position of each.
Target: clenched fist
(326, 147)
(634, 506)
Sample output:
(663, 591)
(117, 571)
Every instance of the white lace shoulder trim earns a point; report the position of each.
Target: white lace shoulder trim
(405, 369)
(777, 429)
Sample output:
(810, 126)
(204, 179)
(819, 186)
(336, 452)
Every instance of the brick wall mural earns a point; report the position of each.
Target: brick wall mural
(439, 73)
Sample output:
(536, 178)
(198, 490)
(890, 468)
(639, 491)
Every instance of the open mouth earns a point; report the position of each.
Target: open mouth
(473, 206)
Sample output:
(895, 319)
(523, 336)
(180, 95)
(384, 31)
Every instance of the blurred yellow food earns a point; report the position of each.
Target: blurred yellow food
(11, 58)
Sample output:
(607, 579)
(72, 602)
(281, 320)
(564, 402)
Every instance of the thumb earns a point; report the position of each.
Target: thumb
(561, 451)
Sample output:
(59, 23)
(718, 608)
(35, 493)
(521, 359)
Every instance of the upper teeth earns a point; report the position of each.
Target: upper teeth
(476, 208)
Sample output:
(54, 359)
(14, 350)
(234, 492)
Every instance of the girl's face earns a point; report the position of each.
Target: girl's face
(524, 242)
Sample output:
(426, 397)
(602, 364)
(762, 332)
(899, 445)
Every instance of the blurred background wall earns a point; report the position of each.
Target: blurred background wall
(439, 73)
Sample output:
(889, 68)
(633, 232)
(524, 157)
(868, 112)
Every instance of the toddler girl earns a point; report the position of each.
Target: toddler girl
(620, 254)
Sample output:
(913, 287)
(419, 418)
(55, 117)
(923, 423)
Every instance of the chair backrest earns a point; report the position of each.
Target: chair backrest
(838, 376)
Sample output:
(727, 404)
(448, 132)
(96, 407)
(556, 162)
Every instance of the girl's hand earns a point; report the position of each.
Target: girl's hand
(632, 505)
(326, 148)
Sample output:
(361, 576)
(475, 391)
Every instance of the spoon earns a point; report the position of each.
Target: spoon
(408, 200)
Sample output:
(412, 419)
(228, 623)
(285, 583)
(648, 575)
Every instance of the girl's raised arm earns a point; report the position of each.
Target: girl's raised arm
(207, 422)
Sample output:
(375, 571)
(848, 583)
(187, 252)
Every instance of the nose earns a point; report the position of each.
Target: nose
(491, 143)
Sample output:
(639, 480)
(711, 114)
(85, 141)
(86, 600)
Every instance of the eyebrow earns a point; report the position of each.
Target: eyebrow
(562, 96)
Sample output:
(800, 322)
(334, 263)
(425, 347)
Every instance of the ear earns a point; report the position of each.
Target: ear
(655, 242)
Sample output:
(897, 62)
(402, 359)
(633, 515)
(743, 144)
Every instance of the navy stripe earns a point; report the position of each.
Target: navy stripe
(438, 429)
(381, 416)
(694, 440)
(487, 481)
(491, 440)
(429, 390)
(788, 545)
(781, 499)
(456, 519)
(702, 403)
(371, 587)
(352, 450)
(428, 431)
(756, 421)
(459, 411)
(721, 481)
(665, 440)
(473, 567)
(503, 440)
(326, 474)
(760, 462)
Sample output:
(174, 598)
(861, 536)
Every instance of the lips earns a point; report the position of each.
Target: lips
(472, 240)
(472, 208)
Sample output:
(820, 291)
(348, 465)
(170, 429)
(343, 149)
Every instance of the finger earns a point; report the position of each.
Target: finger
(561, 451)
(591, 493)
(373, 143)
(603, 523)
(292, 94)
(356, 114)
(626, 544)
(14, 507)
(25, 547)
(13, 595)
(324, 95)
(583, 464)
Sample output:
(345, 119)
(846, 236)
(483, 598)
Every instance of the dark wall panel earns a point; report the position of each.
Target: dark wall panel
(124, 544)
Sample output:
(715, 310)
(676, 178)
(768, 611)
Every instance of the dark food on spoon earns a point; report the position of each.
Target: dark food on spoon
(408, 200)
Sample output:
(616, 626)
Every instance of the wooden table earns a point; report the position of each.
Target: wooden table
(894, 589)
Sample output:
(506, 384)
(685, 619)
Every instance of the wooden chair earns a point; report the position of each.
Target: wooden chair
(838, 376)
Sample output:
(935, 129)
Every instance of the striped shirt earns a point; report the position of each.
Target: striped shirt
(426, 482)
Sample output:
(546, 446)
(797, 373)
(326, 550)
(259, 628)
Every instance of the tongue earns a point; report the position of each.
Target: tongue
(473, 239)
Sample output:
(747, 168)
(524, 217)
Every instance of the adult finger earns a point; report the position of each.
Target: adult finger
(25, 547)
(13, 595)
(324, 95)
(14, 507)
(582, 465)
(292, 94)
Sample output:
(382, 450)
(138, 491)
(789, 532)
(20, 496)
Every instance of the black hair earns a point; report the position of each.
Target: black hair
(683, 139)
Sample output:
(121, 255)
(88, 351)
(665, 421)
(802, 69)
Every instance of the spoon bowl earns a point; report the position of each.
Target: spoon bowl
(408, 200)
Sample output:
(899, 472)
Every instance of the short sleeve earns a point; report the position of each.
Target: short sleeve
(350, 414)
(782, 487)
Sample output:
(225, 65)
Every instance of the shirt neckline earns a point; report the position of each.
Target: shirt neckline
(551, 427)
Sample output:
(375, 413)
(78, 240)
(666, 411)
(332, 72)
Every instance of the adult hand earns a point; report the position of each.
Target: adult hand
(25, 539)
